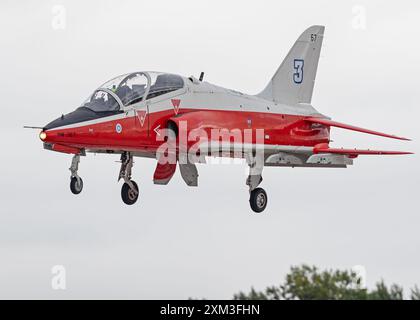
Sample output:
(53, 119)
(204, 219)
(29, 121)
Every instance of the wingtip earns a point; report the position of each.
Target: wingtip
(403, 153)
(402, 138)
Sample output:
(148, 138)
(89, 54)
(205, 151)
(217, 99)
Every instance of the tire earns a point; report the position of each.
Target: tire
(128, 196)
(76, 185)
(258, 200)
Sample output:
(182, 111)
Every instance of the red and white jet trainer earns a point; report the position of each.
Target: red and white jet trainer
(182, 120)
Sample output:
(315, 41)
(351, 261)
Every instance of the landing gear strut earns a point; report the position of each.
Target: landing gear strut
(129, 190)
(76, 183)
(257, 196)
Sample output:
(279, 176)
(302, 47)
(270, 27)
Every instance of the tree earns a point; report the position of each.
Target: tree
(308, 283)
(381, 292)
(415, 293)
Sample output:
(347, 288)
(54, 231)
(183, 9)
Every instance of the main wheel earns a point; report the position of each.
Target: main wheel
(258, 200)
(76, 185)
(129, 195)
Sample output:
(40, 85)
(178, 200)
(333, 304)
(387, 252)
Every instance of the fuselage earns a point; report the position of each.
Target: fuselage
(199, 106)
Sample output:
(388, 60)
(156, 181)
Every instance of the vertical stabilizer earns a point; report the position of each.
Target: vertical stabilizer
(293, 82)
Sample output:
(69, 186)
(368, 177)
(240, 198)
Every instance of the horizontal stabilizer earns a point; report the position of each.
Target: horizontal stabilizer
(331, 123)
(356, 152)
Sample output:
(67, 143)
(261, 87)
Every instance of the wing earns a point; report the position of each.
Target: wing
(331, 123)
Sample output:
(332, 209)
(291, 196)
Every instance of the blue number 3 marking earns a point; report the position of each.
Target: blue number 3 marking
(298, 66)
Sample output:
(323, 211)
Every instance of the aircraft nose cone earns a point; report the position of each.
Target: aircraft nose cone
(43, 135)
(48, 136)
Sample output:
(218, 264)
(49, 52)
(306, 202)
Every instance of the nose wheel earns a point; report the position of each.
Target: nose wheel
(76, 183)
(129, 192)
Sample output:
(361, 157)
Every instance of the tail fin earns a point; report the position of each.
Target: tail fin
(294, 80)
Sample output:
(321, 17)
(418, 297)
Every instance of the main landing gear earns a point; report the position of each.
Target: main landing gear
(258, 200)
(76, 183)
(257, 196)
(129, 190)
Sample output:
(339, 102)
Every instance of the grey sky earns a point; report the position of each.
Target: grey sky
(180, 242)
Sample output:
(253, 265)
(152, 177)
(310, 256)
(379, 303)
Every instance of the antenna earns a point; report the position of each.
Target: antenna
(201, 76)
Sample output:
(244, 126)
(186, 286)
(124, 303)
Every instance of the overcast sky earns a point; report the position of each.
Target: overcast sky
(180, 242)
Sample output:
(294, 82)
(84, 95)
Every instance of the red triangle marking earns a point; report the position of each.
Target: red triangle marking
(175, 104)
(141, 114)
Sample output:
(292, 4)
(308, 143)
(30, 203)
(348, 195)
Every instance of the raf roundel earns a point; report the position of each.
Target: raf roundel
(118, 128)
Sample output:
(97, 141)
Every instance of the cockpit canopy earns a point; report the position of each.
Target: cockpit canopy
(130, 89)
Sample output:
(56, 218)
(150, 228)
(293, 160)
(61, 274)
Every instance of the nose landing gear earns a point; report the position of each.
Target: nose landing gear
(76, 183)
(129, 190)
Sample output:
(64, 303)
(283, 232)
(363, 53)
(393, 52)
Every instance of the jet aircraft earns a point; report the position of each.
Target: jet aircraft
(181, 121)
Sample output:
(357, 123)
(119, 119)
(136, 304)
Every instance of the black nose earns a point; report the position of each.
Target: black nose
(79, 115)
